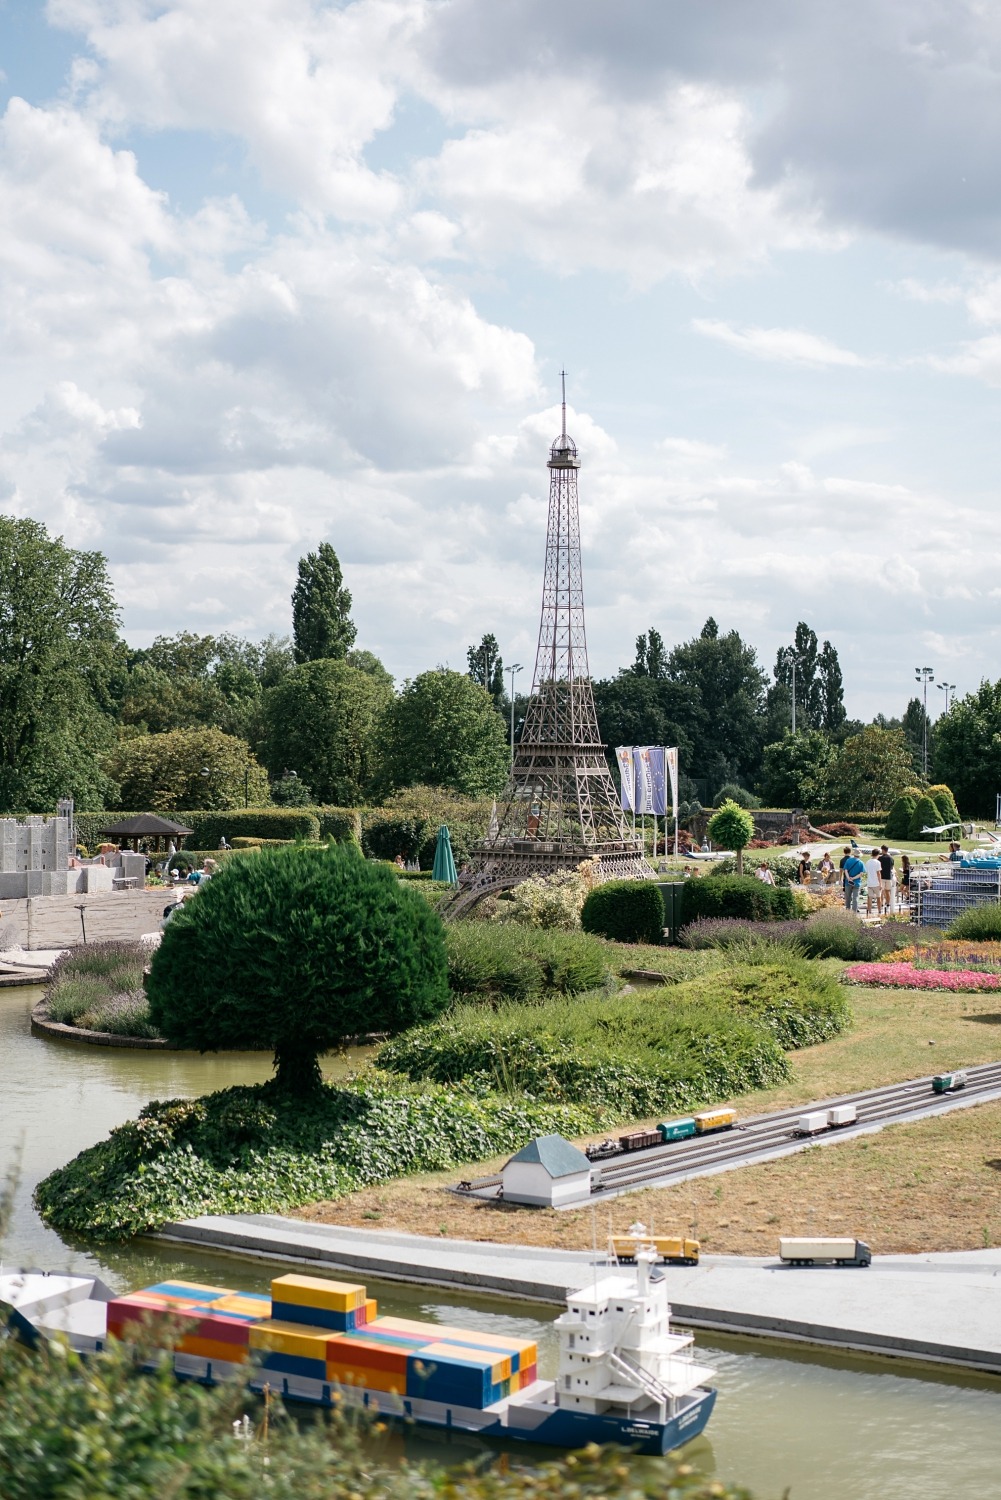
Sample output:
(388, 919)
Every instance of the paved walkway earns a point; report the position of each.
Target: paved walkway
(944, 1308)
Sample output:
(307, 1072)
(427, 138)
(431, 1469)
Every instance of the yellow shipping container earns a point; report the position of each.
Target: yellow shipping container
(245, 1303)
(290, 1338)
(313, 1291)
(526, 1349)
(371, 1310)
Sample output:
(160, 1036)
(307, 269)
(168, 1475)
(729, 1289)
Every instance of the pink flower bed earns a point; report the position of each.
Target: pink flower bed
(903, 976)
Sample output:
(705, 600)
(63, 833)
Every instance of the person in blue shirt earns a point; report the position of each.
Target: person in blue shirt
(851, 873)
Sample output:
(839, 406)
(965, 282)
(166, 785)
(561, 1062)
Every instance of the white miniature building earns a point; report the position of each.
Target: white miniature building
(34, 855)
(547, 1172)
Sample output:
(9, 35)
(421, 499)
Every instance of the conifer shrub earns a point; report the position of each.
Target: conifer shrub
(943, 799)
(925, 815)
(898, 823)
(297, 949)
(628, 911)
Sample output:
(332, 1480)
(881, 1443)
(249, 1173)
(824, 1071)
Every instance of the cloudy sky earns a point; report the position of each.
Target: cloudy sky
(274, 272)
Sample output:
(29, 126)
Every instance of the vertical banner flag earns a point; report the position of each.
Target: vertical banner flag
(671, 755)
(644, 778)
(658, 773)
(627, 777)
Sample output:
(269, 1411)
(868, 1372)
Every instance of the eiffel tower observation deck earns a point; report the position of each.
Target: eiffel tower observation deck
(561, 806)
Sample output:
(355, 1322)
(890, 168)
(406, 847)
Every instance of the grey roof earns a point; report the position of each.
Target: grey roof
(558, 1156)
(144, 823)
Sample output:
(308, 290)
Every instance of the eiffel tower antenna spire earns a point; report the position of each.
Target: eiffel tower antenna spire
(561, 806)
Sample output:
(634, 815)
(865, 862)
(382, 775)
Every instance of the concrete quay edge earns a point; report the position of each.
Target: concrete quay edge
(931, 1309)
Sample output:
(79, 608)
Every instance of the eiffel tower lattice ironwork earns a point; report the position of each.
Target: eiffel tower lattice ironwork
(561, 806)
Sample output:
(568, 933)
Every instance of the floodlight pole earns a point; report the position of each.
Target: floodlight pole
(924, 675)
(794, 663)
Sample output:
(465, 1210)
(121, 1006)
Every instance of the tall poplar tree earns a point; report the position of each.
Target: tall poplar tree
(322, 629)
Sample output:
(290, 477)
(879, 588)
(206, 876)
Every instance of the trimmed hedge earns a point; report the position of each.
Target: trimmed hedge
(286, 823)
(342, 824)
(500, 961)
(736, 896)
(628, 911)
(837, 815)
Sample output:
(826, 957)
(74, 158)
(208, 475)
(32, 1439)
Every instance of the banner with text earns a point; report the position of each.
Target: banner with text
(627, 777)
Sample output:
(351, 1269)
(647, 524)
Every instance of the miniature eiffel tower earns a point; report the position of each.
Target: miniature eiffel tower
(561, 806)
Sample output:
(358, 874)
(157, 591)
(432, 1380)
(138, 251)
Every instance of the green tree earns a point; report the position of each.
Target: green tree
(723, 693)
(298, 949)
(870, 771)
(916, 724)
(968, 750)
(925, 815)
(442, 730)
(321, 609)
(368, 662)
(321, 721)
(166, 772)
(59, 654)
(732, 827)
(651, 658)
(637, 709)
(809, 691)
(189, 681)
(832, 690)
(794, 769)
(487, 668)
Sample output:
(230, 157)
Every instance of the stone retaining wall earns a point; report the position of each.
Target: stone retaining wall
(57, 921)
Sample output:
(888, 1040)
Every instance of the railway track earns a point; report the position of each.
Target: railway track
(765, 1137)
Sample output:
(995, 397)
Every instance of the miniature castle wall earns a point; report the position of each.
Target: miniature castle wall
(34, 857)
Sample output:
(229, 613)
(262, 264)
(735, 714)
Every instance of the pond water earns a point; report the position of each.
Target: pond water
(820, 1427)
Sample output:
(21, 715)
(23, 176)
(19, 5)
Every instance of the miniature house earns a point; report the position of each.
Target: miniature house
(548, 1172)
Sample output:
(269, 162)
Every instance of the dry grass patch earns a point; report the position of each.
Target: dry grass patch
(927, 1186)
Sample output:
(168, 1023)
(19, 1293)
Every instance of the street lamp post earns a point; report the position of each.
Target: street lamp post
(924, 675)
(514, 667)
(948, 688)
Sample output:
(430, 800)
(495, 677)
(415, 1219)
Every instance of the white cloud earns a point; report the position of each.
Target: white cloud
(793, 346)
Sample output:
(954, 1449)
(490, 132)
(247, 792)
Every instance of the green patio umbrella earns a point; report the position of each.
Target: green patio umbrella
(444, 865)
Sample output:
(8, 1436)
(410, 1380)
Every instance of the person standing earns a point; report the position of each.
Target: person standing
(886, 879)
(873, 893)
(852, 870)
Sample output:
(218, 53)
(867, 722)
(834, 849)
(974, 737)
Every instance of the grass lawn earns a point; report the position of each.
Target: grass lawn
(933, 1185)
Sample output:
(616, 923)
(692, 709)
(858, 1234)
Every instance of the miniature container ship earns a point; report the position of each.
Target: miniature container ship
(623, 1376)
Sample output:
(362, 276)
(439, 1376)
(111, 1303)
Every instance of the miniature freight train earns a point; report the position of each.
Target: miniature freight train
(706, 1122)
(623, 1375)
(819, 1120)
(824, 1252)
(948, 1083)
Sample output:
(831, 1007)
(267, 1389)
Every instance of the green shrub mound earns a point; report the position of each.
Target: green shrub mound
(944, 800)
(490, 961)
(925, 815)
(629, 1056)
(736, 896)
(628, 911)
(978, 924)
(784, 867)
(261, 1150)
(898, 823)
(297, 949)
(795, 1000)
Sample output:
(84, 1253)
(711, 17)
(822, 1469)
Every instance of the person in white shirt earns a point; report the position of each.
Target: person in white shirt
(764, 874)
(873, 875)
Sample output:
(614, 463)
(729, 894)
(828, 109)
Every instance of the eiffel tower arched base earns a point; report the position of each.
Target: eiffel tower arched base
(498, 867)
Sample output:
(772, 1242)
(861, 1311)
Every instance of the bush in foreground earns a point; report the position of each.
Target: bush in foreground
(297, 949)
(99, 1429)
(628, 911)
(736, 896)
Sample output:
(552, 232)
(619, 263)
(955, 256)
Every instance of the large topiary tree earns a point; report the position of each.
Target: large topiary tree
(898, 822)
(297, 949)
(925, 815)
(732, 827)
(629, 911)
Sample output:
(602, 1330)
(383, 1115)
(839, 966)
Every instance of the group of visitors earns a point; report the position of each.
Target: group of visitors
(879, 872)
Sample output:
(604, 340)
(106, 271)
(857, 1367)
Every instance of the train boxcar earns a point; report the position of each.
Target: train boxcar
(948, 1083)
(708, 1120)
(670, 1249)
(824, 1252)
(677, 1130)
(811, 1124)
(842, 1114)
(640, 1140)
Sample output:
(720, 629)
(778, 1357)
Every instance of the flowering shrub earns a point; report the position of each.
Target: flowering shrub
(551, 901)
(903, 976)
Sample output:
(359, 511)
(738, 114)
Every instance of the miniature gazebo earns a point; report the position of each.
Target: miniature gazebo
(146, 826)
